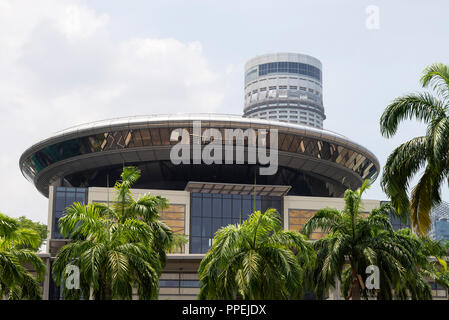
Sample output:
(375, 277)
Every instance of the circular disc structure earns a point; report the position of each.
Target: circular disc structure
(313, 161)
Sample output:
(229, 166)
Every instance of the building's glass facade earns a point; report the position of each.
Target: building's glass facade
(441, 229)
(166, 175)
(65, 197)
(283, 67)
(209, 212)
(179, 283)
(398, 223)
(440, 222)
(438, 291)
(183, 284)
(55, 291)
(290, 67)
(127, 139)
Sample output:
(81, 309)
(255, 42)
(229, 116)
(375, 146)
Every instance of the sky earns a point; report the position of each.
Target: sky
(67, 62)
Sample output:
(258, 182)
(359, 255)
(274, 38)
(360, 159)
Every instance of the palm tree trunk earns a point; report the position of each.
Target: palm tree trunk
(355, 290)
(355, 286)
(108, 292)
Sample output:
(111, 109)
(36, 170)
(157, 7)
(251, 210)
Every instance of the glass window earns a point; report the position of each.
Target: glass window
(190, 283)
(216, 224)
(168, 283)
(195, 244)
(290, 67)
(64, 198)
(80, 197)
(207, 207)
(225, 209)
(206, 227)
(246, 206)
(258, 204)
(196, 226)
(60, 203)
(196, 207)
(216, 207)
(70, 197)
(227, 221)
(236, 207)
(205, 244)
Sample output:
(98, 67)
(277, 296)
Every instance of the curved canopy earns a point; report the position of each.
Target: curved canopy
(98, 147)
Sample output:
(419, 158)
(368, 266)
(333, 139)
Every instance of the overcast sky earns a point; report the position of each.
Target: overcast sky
(65, 62)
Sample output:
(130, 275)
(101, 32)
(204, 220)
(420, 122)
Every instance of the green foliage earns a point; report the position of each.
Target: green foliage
(40, 228)
(256, 259)
(116, 248)
(429, 152)
(15, 281)
(178, 243)
(429, 264)
(355, 242)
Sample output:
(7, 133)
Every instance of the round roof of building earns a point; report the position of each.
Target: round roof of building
(139, 139)
(283, 56)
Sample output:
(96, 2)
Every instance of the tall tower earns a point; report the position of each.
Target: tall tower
(284, 87)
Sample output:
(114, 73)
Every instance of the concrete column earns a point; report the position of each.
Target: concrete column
(46, 283)
(187, 223)
(51, 195)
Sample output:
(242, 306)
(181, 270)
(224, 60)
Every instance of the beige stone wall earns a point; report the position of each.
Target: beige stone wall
(298, 218)
(174, 216)
(297, 210)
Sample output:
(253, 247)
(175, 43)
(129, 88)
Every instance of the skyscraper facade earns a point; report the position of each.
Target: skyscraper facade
(285, 87)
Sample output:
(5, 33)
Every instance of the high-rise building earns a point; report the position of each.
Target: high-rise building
(439, 216)
(285, 87)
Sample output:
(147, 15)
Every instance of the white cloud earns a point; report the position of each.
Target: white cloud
(79, 22)
(59, 67)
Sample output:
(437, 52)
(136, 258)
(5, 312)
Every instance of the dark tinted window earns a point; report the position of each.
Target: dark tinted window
(290, 67)
(65, 197)
(220, 210)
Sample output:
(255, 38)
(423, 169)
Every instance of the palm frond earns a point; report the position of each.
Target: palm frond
(436, 76)
(421, 106)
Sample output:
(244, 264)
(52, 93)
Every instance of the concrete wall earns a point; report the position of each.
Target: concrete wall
(316, 203)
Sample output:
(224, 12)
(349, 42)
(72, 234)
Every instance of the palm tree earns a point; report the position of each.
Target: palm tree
(112, 257)
(178, 243)
(116, 248)
(355, 242)
(429, 265)
(256, 259)
(429, 151)
(17, 249)
(146, 208)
